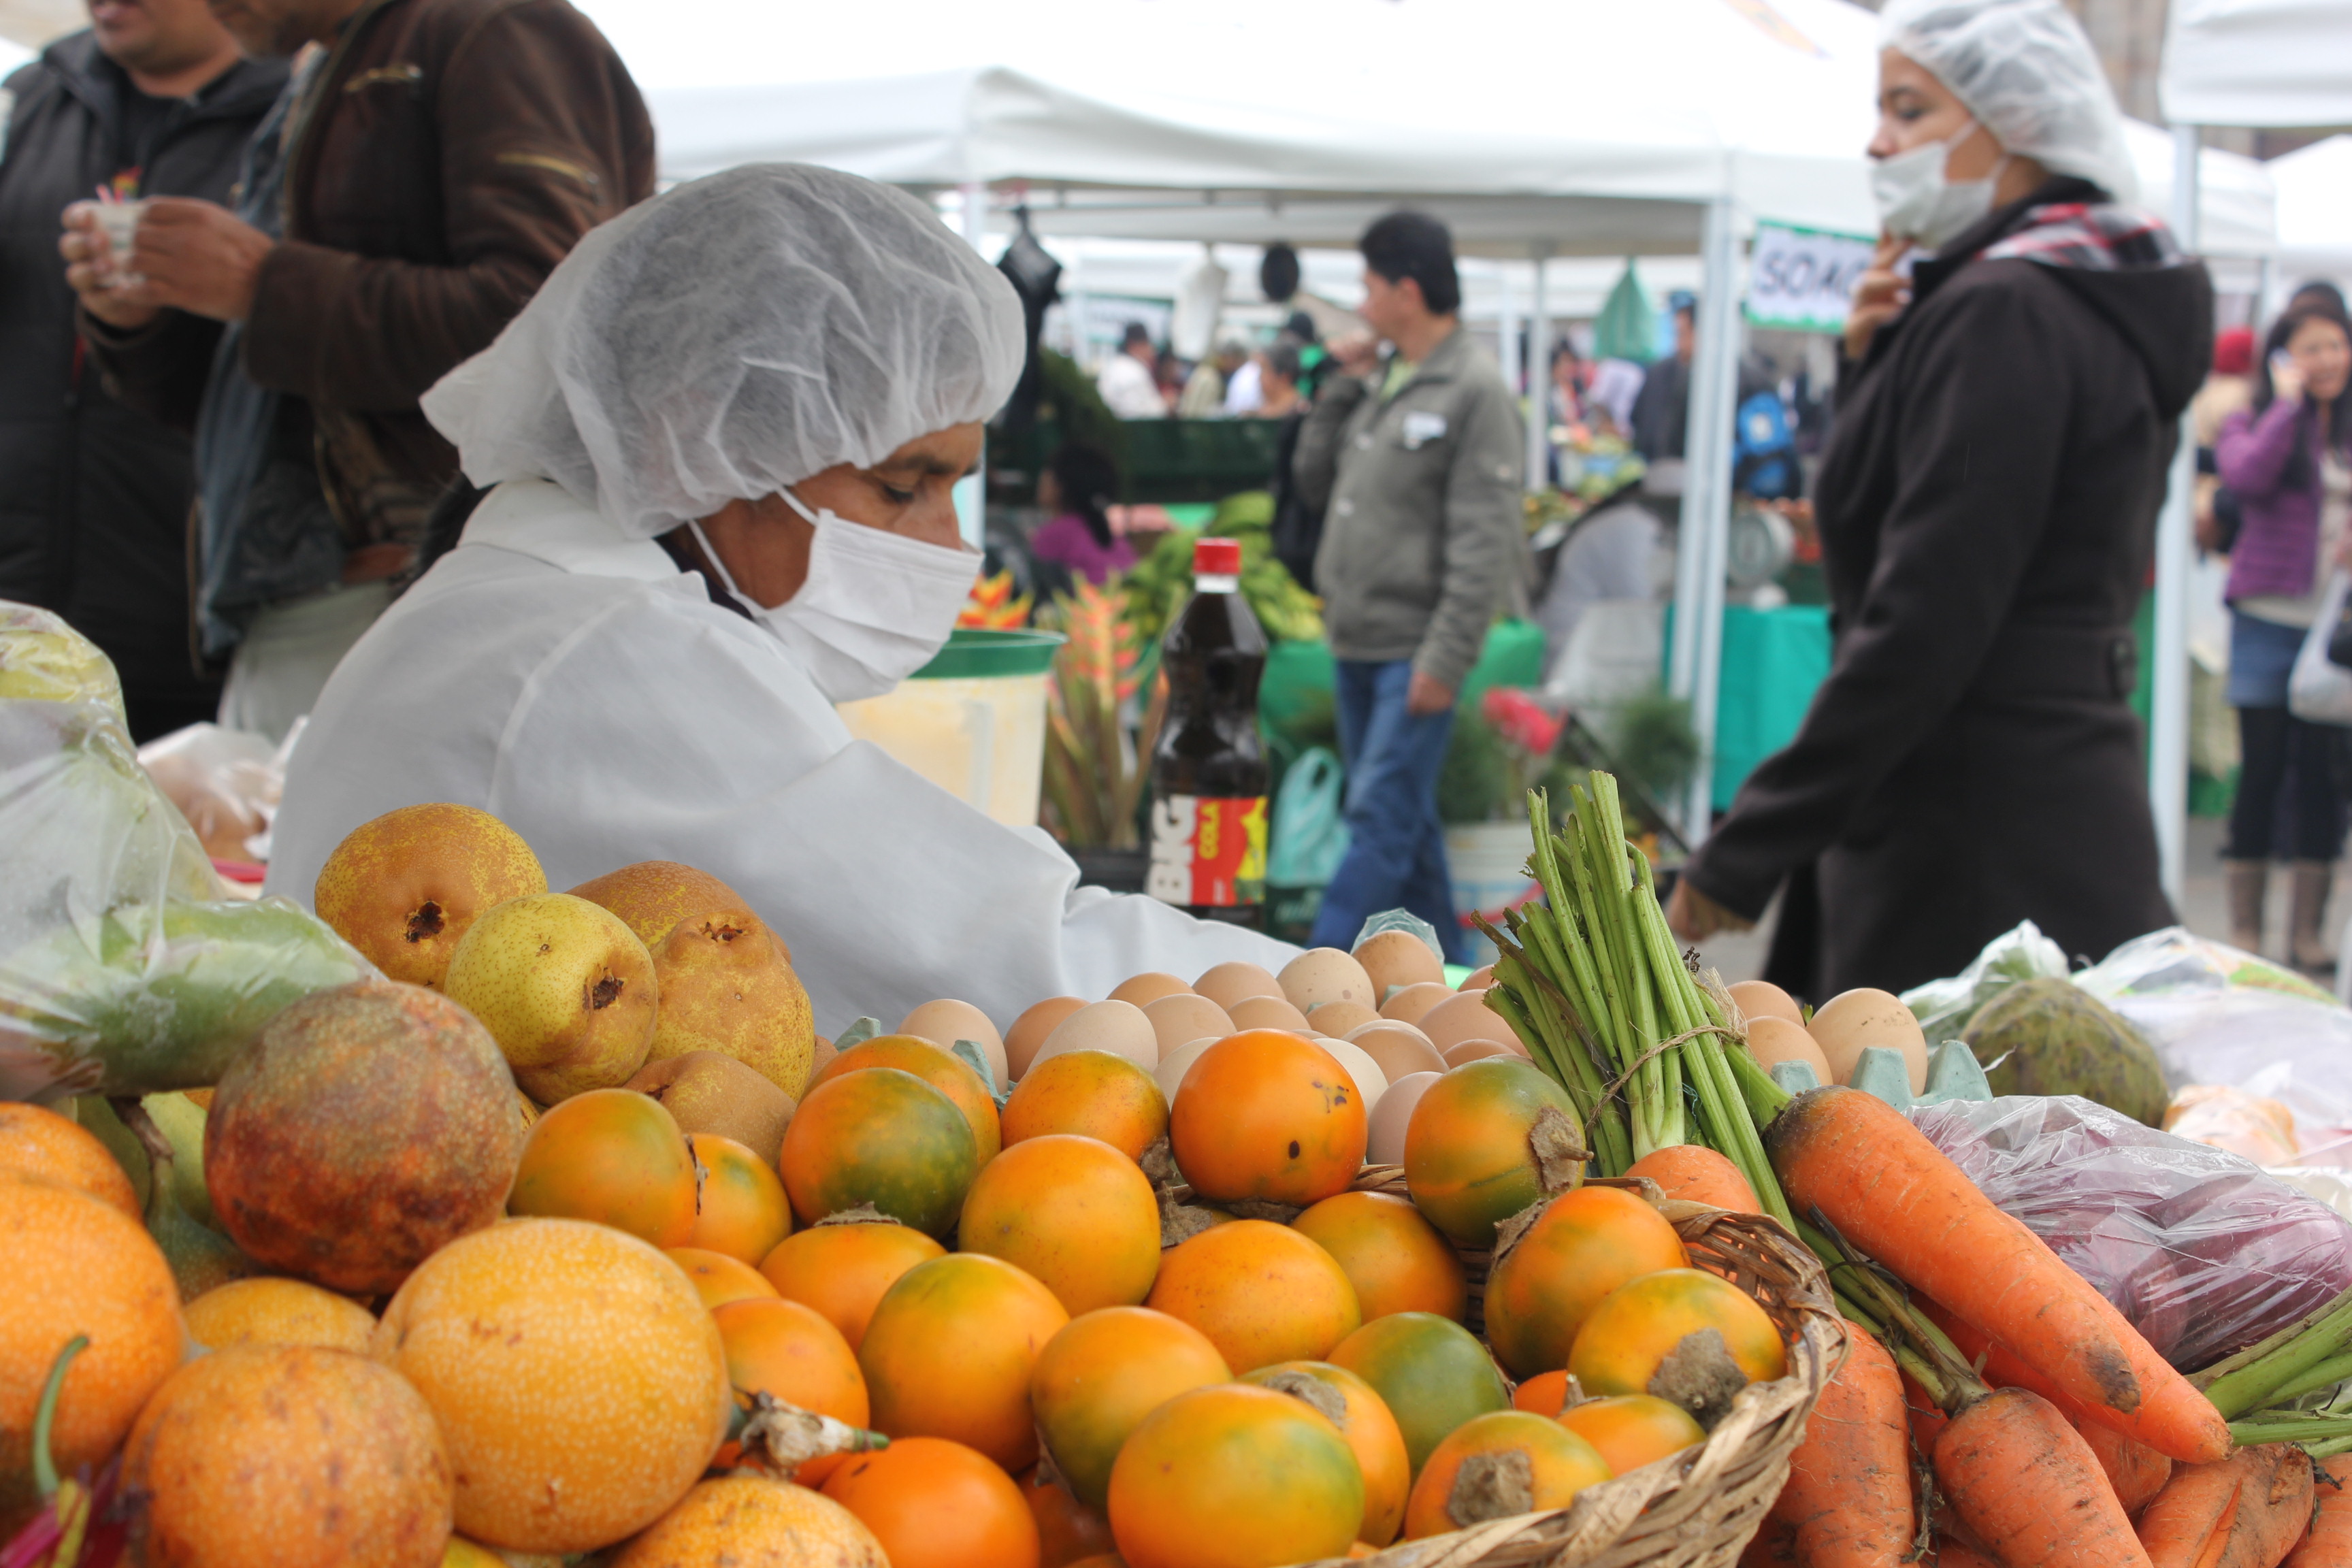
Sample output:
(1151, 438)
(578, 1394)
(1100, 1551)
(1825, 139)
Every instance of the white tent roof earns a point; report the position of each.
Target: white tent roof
(2257, 62)
(2314, 211)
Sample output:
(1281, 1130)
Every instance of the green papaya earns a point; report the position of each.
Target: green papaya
(2051, 1036)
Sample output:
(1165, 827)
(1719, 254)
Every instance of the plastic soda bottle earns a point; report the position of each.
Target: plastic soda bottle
(1208, 770)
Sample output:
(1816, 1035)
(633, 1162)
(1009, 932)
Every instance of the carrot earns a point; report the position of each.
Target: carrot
(1861, 1165)
(2026, 1485)
(2329, 1544)
(2135, 1470)
(1849, 1491)
(1927, 1419)
(2194, 1511)
(1697, 1175)
(2274, 1506)
(1774, 1546)
(1951, 1553)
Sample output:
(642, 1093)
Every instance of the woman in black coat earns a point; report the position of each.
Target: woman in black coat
(1987, 505)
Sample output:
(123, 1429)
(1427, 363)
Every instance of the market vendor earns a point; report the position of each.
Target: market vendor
(723, 439)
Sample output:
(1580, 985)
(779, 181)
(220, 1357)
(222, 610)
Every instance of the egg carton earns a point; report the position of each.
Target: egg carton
(1952, 1074)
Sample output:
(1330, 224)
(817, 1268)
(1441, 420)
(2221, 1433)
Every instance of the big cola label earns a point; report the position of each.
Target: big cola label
(1208, 851)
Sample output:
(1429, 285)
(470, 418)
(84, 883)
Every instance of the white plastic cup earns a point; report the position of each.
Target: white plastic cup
(119, 221)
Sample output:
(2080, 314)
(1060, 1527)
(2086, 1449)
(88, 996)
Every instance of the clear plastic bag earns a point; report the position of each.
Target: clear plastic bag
(123, 968)
(42, 657)
(2199, 1248)
(226, 782)
(1944, 1006)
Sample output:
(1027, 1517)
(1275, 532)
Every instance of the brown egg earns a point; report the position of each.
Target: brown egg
(1370, 1081)
(1341, 1019)
(943, 1023)
(1476, 1050)
(1323, 974)
(1385, 1145)
(1772, 1041)
(1465, 1017)
(1396, 959)
(1480, 979)
(1229, 984)
(1851, 1021)
(1118, 1027)
(1144, 989)
(1030, 1030)
(1266, 1013)
(1398, 1048)
(1762, 999)
(1185, 1017)
(1412, 1004)
(1174, 1064)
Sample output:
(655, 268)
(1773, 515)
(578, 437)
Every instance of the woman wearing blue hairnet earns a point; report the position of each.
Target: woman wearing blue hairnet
(720, 446)
(1987, 502)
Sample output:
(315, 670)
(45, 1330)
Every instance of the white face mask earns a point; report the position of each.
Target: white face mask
(1917, 200)
(875, 608)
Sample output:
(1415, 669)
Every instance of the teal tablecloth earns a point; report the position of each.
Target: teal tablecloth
(1772, 660)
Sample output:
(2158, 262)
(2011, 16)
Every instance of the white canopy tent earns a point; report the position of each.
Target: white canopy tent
(2257, 62)
(2314, 212)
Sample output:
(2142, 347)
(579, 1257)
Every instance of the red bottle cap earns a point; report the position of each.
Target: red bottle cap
(1217, 558)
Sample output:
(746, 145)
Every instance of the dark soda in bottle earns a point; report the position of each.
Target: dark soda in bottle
(1208, 771)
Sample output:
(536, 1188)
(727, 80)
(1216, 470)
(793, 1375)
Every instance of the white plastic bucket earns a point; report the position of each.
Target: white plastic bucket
(972, 721)
(1487, 862)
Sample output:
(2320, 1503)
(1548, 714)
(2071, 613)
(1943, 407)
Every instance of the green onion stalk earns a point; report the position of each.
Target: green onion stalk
(1591, 982)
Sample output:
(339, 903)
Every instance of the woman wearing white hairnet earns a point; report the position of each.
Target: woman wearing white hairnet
(1987, 502)
(722, 440)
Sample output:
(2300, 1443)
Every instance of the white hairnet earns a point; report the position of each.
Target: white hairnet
(733, 337)
(2026, 71)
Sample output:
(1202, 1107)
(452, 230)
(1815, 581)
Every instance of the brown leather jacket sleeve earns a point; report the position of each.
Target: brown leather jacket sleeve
(527, 109)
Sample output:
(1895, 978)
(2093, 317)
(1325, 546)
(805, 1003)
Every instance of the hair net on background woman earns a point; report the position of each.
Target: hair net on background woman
(720, 447)
(2027, 72)
(742, 332)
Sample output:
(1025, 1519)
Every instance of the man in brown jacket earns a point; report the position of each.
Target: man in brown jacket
(432, 161)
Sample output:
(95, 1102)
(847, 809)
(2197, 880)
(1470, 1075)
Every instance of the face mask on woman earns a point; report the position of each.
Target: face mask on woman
(1917, 200)
(875, 607)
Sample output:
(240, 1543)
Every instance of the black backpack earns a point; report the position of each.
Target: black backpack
(1297, 531)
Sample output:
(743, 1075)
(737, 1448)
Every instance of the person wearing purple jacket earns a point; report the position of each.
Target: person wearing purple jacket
(2285, 459)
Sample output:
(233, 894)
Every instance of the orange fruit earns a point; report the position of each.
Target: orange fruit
(1233, 1477)
(1560, 1464)
(77, 1265)
(1628, 1336)
(933, 1503)
(1103, 1373)
(880, 1136)
(738, 1521)
(1582, 1245)
(1543, 1395)
(580, 1382)
(1396, 1259)
(287, 1457)
(1696, 1173)
(1428, 1370)
(1097, 1094)
(949, 1352)
(743, 1212)
(1264, 1114)
(784, 1349)
(1262, 1292)
(1074, 1212)
(613, 1156)
(1466, 1160)
(943, 1069)
(842, 1270)
(278, 1312)
(718, 1278)
(1349, 1403)
(51, 1147)
(1633, 1429)
(1068, 1531)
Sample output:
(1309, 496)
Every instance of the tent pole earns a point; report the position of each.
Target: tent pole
(2168, 739)
(1695, 672)
(971, 493)
(1538, 330)
(1506, 327)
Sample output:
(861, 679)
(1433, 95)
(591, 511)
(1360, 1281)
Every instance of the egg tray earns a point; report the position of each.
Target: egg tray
(1952, 1074)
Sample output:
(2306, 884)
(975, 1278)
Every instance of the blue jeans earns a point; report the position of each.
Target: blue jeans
(1396, 848)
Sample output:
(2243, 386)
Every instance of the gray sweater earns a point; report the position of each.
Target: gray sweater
(1422, 535)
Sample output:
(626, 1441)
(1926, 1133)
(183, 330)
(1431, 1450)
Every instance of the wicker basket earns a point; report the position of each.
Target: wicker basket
(1699, 1507)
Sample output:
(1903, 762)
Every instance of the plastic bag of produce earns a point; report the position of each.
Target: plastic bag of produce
(1943, 1006)
(225, 782)
(123, 968)
(2198, 1248)
(42, 657)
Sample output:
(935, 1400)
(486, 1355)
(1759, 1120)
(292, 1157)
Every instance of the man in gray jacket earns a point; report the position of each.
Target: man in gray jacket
(1420, 463)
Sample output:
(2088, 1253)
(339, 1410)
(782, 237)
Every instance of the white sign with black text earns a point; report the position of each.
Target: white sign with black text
(1803, 279)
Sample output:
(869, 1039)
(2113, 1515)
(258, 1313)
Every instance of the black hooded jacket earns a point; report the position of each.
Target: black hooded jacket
(1987, 503)
(93, 497)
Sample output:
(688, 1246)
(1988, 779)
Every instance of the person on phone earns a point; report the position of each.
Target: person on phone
(1987, 505)
(2285, 459)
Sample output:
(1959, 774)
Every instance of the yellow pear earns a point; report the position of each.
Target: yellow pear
(653, 895)
(708, 1092)
(566, 988)
(726, 986)
(404, 887)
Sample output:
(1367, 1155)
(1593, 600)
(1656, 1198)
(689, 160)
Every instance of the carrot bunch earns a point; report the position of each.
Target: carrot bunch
(2247, 1512)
